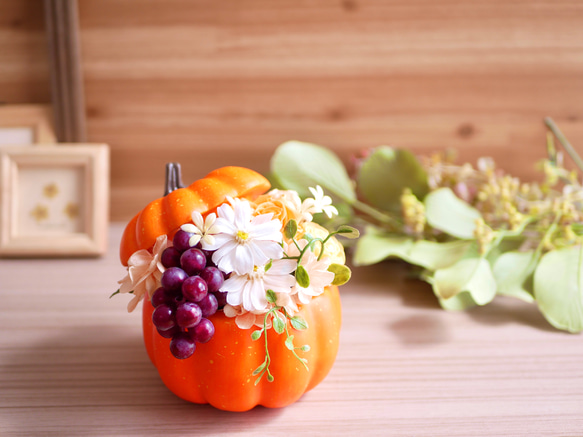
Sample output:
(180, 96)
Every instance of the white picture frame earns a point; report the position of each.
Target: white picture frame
(54, 200)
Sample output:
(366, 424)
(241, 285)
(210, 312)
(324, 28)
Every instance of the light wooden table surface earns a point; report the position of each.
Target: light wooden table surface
(72, 362)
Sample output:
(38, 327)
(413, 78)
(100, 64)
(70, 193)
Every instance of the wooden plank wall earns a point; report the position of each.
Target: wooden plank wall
(24, 70)
(212, 83)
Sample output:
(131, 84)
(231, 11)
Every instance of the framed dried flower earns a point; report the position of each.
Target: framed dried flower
(55, 200)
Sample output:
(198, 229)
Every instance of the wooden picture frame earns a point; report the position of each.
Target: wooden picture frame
(26, 125)
(54, 200)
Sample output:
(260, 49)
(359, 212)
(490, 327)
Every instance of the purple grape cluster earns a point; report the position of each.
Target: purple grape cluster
(188, 296)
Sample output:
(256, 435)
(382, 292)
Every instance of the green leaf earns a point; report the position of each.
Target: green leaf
(376, 245)
(506, 245)
(341, 272)
(299, 323)
(278, 324)
(114, 293)
(289, 342)
(268, 265)
(305, 348)
(514, 272)
(473, 275)
(347, 232)
(448, 213)
(271, 296)
(459, 302)
(270, 377)
(302, 277)
(386, 172)
(291, 229)
(435, 256)
(256, 335)
(558, 288)
(260, 368)
(297, 165)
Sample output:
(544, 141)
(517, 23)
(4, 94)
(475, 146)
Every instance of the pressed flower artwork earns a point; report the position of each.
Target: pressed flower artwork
(50, 201)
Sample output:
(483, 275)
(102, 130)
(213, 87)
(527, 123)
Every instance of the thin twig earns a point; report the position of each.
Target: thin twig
(564, 142)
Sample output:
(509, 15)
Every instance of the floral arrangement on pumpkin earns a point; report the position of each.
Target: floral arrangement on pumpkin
(258, 261)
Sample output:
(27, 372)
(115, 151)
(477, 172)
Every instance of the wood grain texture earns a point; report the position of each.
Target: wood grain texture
(210, 84)
(216, 83)
(39, 118)
(24, 69)
(72, 362)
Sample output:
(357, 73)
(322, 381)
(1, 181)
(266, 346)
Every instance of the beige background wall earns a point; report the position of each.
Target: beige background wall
(213, 83)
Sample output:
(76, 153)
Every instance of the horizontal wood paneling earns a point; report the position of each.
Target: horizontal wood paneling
(24, 71)
(211, 84)
(218, 83)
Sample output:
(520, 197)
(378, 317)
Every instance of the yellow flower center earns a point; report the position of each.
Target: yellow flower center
(242, 236)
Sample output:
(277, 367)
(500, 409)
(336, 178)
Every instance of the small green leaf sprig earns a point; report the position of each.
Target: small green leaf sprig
(278, 314)
(474, 233)
(341, 272)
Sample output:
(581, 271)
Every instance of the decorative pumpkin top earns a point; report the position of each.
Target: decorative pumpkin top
(220, 245)
(165, 215)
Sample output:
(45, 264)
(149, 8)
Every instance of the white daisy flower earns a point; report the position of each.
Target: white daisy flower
(322, 203)
(248, 290)
(203, 230)
(243, 241)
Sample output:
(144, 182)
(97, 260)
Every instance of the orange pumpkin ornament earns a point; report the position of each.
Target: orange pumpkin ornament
(223, 371)
(220, 371)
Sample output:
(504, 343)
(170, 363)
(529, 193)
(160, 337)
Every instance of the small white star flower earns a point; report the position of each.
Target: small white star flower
(203, 230)
(322, 203)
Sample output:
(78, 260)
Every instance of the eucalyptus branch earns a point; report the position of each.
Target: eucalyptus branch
(375, 213)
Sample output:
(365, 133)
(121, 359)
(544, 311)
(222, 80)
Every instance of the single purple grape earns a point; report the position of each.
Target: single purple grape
(208, 305)
(173, 278)
(169, 333)
(213, 278)
(221, 298)
(194, 289)
(170, 257)
(188, 314)
(193, 261)
(182, 346)
(163, 317)
(202, 332)
(159, 297)
(180, 240)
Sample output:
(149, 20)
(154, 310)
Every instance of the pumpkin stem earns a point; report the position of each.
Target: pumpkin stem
(173, 178)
